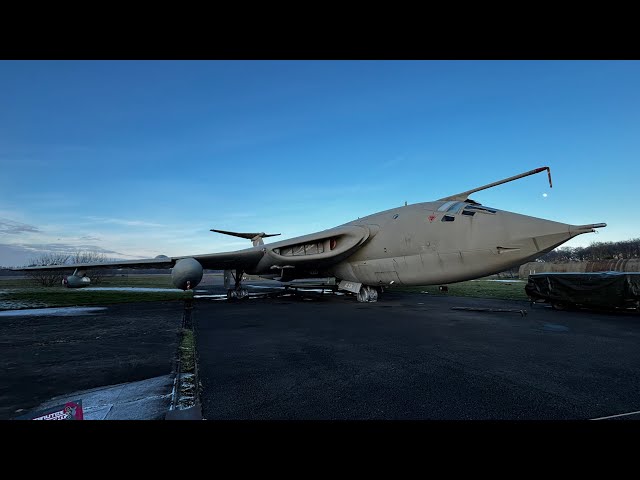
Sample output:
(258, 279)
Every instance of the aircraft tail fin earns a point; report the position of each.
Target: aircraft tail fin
(256, 238)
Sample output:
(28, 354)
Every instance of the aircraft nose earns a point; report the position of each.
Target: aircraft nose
(578, 229)
(540, 235)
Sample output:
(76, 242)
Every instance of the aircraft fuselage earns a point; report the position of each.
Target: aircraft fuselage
(445, 242)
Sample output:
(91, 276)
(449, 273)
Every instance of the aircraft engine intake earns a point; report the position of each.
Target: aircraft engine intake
(187, 273)
(75, 281)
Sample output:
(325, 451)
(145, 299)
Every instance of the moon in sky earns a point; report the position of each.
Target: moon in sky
(544, 195)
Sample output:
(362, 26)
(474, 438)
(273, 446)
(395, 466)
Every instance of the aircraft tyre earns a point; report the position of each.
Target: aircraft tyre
(362, 295)
(367, 294)
(233, 294)
(373, 294)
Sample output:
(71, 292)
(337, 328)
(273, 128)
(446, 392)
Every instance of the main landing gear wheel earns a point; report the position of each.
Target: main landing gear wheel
(239, 292)
(367, 294)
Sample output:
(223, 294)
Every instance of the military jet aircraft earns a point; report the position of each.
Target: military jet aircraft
(434, 243)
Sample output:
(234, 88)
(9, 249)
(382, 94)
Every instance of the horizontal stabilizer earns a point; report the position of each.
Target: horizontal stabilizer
(256, 238)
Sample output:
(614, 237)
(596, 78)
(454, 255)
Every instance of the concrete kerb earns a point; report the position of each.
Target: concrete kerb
(185, 402)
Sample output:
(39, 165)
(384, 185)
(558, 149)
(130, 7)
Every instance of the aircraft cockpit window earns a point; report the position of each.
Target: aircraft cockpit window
(451, 207)
(445, 205)
(479, 208)
(448, 218)
(455, 208)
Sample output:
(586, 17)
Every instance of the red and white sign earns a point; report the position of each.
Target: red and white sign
(66, 411)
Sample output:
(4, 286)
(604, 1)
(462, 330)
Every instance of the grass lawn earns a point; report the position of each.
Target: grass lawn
(24, 293)
(477, 288)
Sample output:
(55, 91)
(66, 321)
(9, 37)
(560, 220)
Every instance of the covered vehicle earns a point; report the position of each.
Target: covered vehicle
(598, 290)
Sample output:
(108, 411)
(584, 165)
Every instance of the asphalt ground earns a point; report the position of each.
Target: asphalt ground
(410, 356)
(43, 356)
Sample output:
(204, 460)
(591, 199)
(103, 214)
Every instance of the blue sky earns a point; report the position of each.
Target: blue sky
(141, 158)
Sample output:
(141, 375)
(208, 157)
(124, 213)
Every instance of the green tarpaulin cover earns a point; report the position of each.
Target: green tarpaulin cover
(593, 289)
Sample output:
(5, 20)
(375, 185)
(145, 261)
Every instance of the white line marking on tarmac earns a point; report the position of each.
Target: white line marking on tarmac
(503, 281)
(51, 311)
(263, 286)
(130, 289)
(614, 416)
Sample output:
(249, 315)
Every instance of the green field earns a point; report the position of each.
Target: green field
(151, 281)
(187, 350)
(477, 288)
(25, 293)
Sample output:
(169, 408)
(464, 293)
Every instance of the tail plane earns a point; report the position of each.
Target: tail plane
(256, 238)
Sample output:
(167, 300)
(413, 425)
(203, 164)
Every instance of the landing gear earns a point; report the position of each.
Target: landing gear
(238, 292)
(367, 294)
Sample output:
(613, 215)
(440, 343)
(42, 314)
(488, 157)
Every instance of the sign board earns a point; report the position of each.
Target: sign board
(67, 411)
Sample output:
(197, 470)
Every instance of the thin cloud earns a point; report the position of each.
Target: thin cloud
(24, 254)
(122, 221)
(14, 228)
(63, 248)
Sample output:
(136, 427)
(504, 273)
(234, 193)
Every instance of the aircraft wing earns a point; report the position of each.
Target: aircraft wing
(245, 259)
(163, 262)
(313, 250)
(318, 250)
(214, 261)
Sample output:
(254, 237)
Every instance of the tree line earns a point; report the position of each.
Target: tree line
(50, 278)
(621, 250)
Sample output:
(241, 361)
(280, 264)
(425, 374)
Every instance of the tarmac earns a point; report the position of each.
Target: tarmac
(142, 400)
(409, 356)
(119, 359)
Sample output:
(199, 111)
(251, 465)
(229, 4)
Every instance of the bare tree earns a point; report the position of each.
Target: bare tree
(51, 278)
(87, 256)
(558, 255)
(47, 278)
(621, 250)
